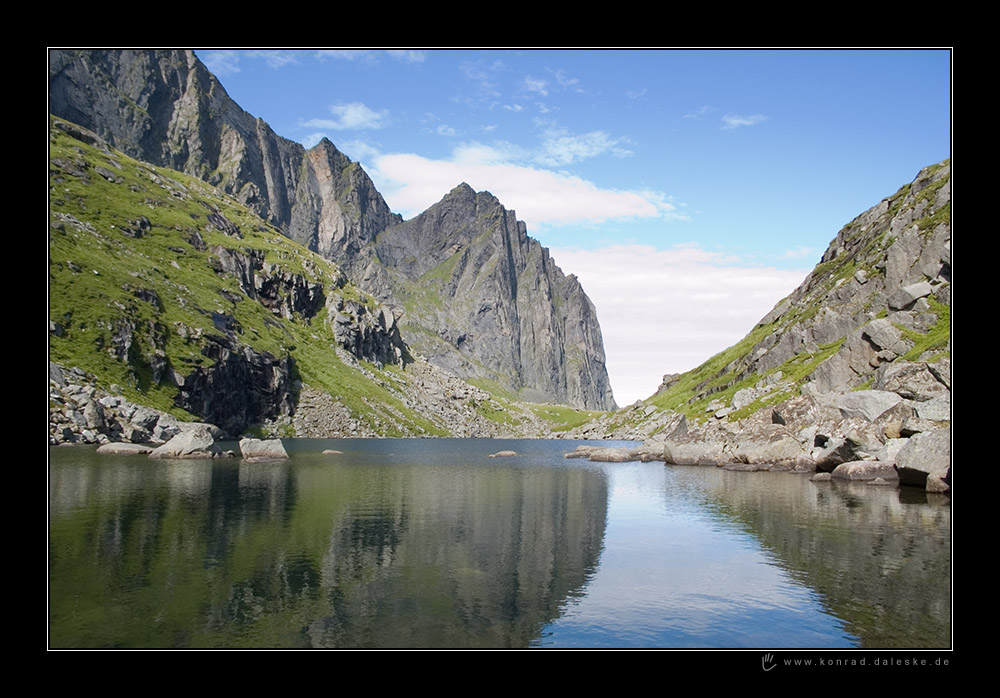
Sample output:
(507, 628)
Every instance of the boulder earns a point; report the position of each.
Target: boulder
(195, 442)
(770, 445)
(257, 450)
(124, 449)
(865, 470)
(613, 455)
(867, 404)
(503, 454)
(923, 454)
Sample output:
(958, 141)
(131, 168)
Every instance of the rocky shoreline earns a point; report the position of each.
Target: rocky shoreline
(873, 436)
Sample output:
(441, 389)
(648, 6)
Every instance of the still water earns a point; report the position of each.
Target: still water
(431, 543)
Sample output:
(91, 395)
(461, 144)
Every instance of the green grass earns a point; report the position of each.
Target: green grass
(562, 418)
(937, 337)
(165, 288)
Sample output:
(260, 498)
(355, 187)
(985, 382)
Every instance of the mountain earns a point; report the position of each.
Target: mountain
(486, 302)
(853, 366)
(526, 329)
(171, 301)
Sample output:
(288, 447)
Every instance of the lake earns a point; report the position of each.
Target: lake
(429, 543)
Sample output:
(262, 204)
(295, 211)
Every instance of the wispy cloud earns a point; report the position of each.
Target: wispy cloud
(731, 121)
(350, 117)
(560, 147)
(536, 85)
(371, 56)
(275, 58)
(227, 61)
(699, 113)
(224, 62)
(408, 56)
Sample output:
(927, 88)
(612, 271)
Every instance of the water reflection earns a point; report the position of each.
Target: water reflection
(875, 556)
(429, 543)
(365, 550)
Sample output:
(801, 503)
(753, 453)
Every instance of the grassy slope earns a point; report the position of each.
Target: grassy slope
(100, 280)
(718, 378)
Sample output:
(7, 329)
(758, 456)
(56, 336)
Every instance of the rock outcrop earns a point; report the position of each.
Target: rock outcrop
(850, 374)
(509, 315)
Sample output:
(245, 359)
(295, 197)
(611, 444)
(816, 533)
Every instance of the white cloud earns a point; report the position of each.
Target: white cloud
(567, 82)
(274, 58)
(668, 311)
(224, 62)
(411, 183)
(731, 121)
(370, 56)
(410, 56)
(353, 116)
(560, 147)
(536, 85)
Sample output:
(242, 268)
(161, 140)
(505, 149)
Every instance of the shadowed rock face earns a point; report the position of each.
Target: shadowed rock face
(495, 301)
(485, 299)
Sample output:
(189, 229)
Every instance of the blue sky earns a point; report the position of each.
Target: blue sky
(688, 190)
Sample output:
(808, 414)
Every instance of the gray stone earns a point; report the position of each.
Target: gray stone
(867, 404)
(907, 295)
(191, 443)
(124, 449)
(936, 410)
(884, 335)
(924, 453)
(256, 450)
(865, 470)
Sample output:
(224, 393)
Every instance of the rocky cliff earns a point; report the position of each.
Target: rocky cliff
(171, 302)
(851, 373)
(486, 301)
(166, 108)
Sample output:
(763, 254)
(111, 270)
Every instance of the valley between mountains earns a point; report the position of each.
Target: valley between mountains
(203, 269)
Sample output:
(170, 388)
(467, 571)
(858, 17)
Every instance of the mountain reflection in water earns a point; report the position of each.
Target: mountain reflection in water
(429, 543)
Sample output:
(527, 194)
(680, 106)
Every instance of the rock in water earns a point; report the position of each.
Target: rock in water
(256, 450)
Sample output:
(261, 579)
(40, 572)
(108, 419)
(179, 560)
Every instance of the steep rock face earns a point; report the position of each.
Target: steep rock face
(166, 108)
(484, 299)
